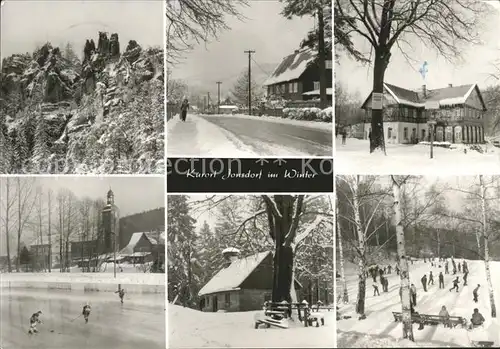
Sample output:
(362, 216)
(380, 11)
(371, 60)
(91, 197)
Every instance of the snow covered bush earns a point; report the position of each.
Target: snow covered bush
(326, 114)
(307, 114)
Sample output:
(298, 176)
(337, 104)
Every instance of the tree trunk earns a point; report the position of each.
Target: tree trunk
(360, 304)
(438, 243)
(49, 233)
(40, 204)
(345, 295)
(403, 263)
(486, 249)
(377, 141)
(7, 215)
(478, 240)
(322, 59)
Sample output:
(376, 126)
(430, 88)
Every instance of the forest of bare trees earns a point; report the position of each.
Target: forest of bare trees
(398, 218)
(45, 222)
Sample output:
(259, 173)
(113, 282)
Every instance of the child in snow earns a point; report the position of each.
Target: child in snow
(121, 293)
(455, 284)
(477, 319)
(445, 316)
(34, 320)
(86, 312)
(474, 293)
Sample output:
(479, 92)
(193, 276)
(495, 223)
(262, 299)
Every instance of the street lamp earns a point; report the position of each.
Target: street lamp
(432, 106)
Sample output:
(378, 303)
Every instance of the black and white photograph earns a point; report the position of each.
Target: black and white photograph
(249, 78)
(417, 261)
(82, 262)
(82, 87)
(250, 271)
(417, 90)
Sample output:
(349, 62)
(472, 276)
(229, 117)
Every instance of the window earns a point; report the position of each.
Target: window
(290, 87)
(227, 299)
(423, 135)
(405, 133)
(411, 113)
(316, 85)
(296, 87)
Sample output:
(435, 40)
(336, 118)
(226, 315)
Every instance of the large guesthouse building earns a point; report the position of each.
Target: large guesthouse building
(459, 119)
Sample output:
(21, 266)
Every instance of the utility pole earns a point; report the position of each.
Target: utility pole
(218, 96)
(249, 81)
(208, 102)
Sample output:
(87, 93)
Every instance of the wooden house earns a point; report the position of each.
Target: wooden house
(243, 284)
(459, 119)
(296, 78)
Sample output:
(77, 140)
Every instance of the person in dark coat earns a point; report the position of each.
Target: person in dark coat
(344, 136)
(465, 278)
(424, 282)
(477, 319)
(465, 268)
(441, 280)
(459, 267)
(375, 290)
(389, 269)
(474, 293)
(431, 278)
(184, 109)
(446, 270)
(455, 285)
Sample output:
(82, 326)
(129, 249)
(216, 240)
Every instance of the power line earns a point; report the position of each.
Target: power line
(260, 67)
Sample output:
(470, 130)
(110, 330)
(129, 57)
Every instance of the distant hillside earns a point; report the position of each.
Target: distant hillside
(147, 221)
(101, 115)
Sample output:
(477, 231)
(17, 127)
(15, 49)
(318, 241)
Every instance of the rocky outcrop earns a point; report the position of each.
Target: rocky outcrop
(114, 46)
(133, 51)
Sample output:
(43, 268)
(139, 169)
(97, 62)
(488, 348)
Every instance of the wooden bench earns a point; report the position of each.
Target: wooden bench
(432, 320)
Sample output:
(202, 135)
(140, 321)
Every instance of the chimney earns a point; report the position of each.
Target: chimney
(424, 90)
(450, 85)
(230, 254)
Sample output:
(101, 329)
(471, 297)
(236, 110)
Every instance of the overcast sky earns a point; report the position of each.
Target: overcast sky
(264, 30)
(26, 24)
(476, 68)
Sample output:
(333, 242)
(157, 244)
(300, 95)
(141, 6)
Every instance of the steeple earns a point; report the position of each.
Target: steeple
(111, 197)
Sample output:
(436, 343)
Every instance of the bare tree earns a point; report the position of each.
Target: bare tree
(403, 260)
(384, 24)
(25, 204)
(8, 203)
(192, 22)
(49, 227)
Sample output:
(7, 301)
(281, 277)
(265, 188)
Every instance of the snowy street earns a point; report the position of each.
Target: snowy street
(247, 136)
(188, 328)
(354, 157)
(380, 325)
(138, 323)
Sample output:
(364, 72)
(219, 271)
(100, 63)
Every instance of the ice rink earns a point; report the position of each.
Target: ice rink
(138, 323)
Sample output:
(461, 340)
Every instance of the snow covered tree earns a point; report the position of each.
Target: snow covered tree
(41, 149)
(240, 90)
(181, 241)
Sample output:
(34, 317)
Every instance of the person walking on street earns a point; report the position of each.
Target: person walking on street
(455, 285)
(441, 280)
(474, 293)
(184, 109)
(424, 282)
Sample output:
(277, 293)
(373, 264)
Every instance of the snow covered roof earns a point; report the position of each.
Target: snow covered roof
(445, 96)
(291, 67)
(230, 250)
(228, 107)
(232, 277)
(329, 92)
(129, 249)
(156, 238)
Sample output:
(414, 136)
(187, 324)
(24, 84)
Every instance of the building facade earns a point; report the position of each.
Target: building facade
(459, 119)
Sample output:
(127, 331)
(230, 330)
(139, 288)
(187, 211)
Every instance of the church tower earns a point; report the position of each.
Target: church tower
(108, 222)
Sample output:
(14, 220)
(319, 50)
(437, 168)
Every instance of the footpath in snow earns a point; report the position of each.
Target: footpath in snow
(200, 138)
(380, 325)
(190, 328)
(354, 157)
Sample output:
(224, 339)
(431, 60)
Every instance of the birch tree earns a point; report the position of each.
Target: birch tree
(345, 294)
(446, 26)
(403, 260)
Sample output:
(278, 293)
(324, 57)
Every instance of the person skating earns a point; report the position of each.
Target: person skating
(431, 278)
(413, 294)
(459, 267)
(441, 280)
(466, 274)
(465, 268)
(445, 316)
(385, 283)
(121, 293)
(389, 269)
(184, 109)
(477, 319)
(397, 270)
(375, 290)
(454, 266)
(446, 269)
(475, 293)
(424, 282)
(86, 312)
(34, 320)
(455, 284)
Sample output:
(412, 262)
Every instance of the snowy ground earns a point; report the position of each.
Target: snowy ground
(138, 323)
(354, 157)
(247, 136)
(190, 328)
(79, 277)
(381, 327)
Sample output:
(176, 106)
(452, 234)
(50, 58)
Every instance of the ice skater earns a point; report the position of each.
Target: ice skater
(34, 320)
(121, 293)
(441, 280)
(375, 290)
(86, 312)
(466, 274)
(431, 278)
(424, 282)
